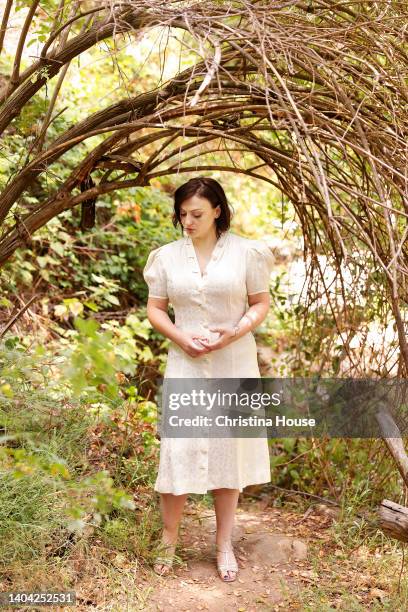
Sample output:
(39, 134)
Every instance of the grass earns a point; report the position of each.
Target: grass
(354, 572)
(110, 562)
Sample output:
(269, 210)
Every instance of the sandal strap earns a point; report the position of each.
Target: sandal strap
(229, 564)
(164, 561)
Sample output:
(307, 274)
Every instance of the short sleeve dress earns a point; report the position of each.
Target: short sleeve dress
(238, 267)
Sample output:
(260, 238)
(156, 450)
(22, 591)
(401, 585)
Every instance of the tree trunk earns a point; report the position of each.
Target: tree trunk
(393, 520)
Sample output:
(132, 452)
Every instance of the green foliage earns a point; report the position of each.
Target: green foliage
(30, 512)
(77, 420)
(44, 433)
(103, 267)
(93, 360)
(339, 469)
(96, 357)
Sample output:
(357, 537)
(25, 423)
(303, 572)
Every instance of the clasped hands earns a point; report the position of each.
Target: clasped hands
(197, 345)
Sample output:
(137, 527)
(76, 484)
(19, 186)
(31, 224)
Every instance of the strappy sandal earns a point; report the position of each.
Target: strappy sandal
(166, 561)
(229, 564)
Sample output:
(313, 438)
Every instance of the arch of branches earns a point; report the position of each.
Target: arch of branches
(314, 94)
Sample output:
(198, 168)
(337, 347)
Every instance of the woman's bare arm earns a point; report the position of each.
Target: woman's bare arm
(157, 313)
(158, 316)
(258, 309)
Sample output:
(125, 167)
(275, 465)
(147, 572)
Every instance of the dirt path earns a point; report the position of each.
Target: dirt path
(270, 556)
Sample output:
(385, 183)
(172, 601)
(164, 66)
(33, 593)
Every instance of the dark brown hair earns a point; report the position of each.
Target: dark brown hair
(204, 188)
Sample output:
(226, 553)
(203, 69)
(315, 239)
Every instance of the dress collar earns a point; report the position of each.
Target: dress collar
(192, 256)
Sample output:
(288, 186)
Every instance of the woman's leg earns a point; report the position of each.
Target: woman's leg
(225, 504)
(171, 510)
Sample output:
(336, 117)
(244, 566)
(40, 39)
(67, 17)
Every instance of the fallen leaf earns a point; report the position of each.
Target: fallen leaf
(377, 594)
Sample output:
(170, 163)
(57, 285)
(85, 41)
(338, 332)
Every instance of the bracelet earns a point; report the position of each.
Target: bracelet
(236, 330)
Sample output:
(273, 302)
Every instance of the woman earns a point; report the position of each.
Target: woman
(218, 284)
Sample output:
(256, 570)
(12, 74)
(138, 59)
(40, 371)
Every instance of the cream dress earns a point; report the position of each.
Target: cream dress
(238, 267)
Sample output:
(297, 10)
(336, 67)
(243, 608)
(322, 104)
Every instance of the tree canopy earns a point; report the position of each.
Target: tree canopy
(308, 96)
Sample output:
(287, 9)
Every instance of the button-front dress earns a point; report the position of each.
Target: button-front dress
(238, 267)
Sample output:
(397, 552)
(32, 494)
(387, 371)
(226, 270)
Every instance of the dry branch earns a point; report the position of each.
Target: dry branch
(393, 520)
(314, 93)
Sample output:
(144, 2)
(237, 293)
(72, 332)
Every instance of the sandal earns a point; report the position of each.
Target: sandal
(166, 561)
(229, 564)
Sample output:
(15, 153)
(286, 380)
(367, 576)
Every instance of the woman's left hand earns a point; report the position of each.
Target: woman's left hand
(227, 335)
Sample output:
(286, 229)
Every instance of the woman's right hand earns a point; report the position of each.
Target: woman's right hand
(190, 343)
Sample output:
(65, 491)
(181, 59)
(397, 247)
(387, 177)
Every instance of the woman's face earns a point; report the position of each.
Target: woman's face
(198, 216)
